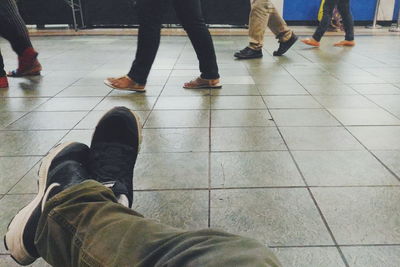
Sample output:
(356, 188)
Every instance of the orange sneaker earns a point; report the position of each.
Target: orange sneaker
(125, 83)
(311, 42)
(345, 43)
(200, 83)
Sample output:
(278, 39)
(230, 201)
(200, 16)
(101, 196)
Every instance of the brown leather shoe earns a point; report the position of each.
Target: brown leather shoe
(200, 83)
(125, 83)
(311, 42)
(345, 43)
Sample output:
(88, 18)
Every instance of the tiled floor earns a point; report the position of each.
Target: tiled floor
(301, 152)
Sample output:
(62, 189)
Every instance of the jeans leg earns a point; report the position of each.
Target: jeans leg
(190, 14)
(12, 27)
(258, 22)
(150, 18)
(326, 19)
(85, 226)
(348, 22)
(2, 71)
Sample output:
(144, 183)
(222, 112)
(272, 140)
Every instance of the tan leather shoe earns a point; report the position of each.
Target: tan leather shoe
(311, 42)
(200, 83)
(125, 83)
(345, 43)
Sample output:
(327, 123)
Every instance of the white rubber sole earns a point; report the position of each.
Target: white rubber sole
(13, 239)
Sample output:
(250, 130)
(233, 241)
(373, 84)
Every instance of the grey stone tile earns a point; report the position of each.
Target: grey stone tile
(238, 79)
(28, 183)
(12, 169)
(193, 102)
(8, 117)
(345, 102)
(303, 117)
(364, 117)
(90, 121)
(21, 143)
(319, 138)
(246, 139)
(179, 91)
(239, 118)
(391, 159)
(361, 79)
(69, 104)
(82, 91)
(48, 121)
(378, 138)
(237, 102)
(330, 90)
(81, 136)
(342, 168)
(291, 102)
(388, 102)
(175, 140)
(388, 256)
(151, 90)
(376, 89)
(178, 118)
(20, 104)
(282, 89)
(311, 256)
(9, 207)
(138, 102)
(171, 170)
(361, 215)
(182, 209)
(277, 217)
(254, 169)
(236, 89)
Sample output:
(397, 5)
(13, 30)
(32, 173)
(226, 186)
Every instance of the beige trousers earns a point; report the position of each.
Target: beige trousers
(264, 14)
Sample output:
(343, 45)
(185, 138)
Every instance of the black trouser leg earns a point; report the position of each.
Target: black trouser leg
(150, 17)
(348, 22)
(2, 72)
(12, 27)
(190, 14)
(328, 8)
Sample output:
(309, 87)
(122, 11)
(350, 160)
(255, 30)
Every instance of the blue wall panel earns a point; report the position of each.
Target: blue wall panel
(301, 10)
(396, 10)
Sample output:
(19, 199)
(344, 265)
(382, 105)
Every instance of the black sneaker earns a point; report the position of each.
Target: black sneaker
(61, 168)
(248, 53)
(113, 152)
(285, 46)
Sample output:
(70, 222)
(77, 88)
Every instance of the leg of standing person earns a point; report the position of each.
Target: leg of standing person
(80, 222)
(12, 28)
(3, 75)
(329, 5)
(190, 14)
(150, 18)
(348, 22)
(263, 14)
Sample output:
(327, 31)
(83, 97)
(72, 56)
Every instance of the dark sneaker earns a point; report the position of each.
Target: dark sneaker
(285, 46)
(248, 53)
(113, 152)
(61, 168)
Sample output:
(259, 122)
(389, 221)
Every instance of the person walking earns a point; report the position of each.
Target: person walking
(343, 7)
(82, 213)
(150, 18)
(13, 29)
(263, 14)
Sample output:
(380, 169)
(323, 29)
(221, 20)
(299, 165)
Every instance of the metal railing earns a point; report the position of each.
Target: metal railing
(76, 7)
(396, 26)
(374, 23)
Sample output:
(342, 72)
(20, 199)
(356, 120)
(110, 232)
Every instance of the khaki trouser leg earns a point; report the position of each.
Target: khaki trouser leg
(264, 14)
(85, 226)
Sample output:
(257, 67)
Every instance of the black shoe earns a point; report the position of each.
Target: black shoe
(61, 168)
(248, 53)
(285, 46)
(114, 149)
